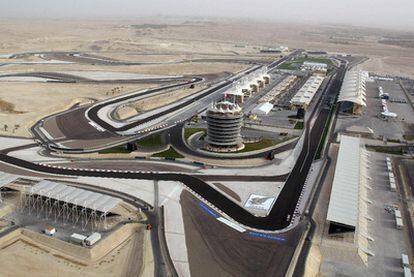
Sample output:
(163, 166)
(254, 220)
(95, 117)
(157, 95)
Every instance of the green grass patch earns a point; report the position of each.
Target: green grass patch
(395, 150)
(314, 60)
(115, 150)
(295, 64)
(264, 143)
(394, 140)
(170, 153)
(299, 125)
(288, 66)
(150, 141)
(188, 132)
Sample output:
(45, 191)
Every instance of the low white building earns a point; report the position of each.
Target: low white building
(306, 93)
(77, 238)
(315, 66)
(92, 239)
(262, 108)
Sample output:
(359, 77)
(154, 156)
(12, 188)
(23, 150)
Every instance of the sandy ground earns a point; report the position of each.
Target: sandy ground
(154, 69)
(36, 100)
(167, 41)
(24, 255)
(124, 251)
(155, 102)
(117, 38)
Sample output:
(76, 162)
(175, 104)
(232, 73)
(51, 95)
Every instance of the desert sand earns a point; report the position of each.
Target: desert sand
(174, 41)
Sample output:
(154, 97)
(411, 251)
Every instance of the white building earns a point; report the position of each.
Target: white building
(77, 238)
(304, 96)
(352, 95)
(92, 239)
(262, 108)
(315, 66)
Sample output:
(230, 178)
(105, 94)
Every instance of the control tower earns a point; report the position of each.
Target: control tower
(224, 122)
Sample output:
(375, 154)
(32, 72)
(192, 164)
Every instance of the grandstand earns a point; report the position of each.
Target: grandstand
(352, 95)
(68, 204)
(304, 96)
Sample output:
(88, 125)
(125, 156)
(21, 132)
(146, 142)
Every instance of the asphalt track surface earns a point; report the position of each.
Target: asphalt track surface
(74, 125)
(284, 206)
(88, 132)
(75, 57)
(84, 58)
(177, 142)
(55, 77)
(93, 112)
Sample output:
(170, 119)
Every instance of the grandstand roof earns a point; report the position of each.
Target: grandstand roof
(6, 178)
(343, 204)
(353, 88)
(307, 91)
(76, 196)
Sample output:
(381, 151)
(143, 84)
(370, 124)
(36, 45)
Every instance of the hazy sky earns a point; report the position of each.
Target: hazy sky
(392, 13)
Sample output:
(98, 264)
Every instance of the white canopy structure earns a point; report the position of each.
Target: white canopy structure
(343, 204)
(6, 178)
(80, 197)
(69, 203)
(353, 90)
(306, 93)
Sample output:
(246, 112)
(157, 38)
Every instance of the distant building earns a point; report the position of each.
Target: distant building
(279, 89)
(304, 96)
(352, 95)
(224, 123)
(279, 49)
(270, 50)
(321, 68)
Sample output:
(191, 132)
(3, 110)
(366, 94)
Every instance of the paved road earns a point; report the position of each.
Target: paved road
(75, 126)
(82, 138)
(73, 78)
(284, 206)
(93, 112)
(177, 142)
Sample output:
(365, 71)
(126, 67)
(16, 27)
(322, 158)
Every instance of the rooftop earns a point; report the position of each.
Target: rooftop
(343, 204)
(76, 196)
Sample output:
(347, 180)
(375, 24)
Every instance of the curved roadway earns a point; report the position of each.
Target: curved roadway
(93, 112)
(176, 140)
(281, 210)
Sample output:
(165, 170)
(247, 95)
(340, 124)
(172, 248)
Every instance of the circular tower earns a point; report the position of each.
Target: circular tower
(224, 122)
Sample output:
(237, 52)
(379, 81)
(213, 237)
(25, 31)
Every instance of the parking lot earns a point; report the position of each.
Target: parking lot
(391, 129)
(389, 242)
